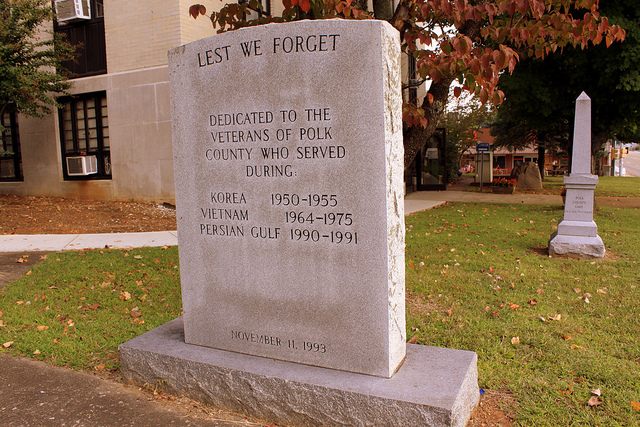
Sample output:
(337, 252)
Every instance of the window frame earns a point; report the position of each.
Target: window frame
(10, 116)
(90, 39)
(81, 145)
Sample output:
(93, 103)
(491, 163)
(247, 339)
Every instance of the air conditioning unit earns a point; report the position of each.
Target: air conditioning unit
(72, 10)
(82, 165)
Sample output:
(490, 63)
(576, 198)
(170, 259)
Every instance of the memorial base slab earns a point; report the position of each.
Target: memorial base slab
(576, 246)
(434, 387)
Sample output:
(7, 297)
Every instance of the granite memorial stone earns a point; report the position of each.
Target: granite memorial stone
(289, 161)
(528, 176)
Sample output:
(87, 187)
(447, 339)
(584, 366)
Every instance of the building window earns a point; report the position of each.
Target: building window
(252, 15)
(10, 159)
(87, 35)
(500, 162)
(413, 74)
(84, 134)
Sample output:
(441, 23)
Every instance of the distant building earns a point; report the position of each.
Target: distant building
(505, 160)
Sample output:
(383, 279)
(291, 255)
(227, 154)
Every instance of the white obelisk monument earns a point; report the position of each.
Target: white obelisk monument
(577, 234)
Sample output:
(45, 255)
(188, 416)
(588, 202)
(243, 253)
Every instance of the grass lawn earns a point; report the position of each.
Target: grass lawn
(548, 330)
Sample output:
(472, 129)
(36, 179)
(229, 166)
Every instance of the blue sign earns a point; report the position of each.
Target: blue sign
(482, 146)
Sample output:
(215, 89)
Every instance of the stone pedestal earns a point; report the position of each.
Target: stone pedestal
(434, 387)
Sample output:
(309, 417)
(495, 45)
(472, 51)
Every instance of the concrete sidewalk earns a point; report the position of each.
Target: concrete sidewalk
(65, 242)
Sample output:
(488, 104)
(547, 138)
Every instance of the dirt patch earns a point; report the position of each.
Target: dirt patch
(55, 215)
(490, 412)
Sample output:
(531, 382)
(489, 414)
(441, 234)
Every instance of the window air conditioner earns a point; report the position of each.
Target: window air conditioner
(82, 165)
(72, 10)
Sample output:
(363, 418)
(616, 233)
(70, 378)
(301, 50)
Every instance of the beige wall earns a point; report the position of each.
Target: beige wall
(139, 34)
(140, 134)
(140, 138)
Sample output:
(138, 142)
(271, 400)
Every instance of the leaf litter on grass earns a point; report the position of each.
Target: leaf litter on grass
(516, 307)
(77, 307)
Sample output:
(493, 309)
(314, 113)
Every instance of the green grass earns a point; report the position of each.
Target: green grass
(478, 276)
(75, 308)
(618, 186)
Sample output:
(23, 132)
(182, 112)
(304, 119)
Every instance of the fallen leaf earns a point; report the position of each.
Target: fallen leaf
(135, 314)
(601, 291)
(596, 391)
(137, 256)
(21, 260)
(413, 339)
(125, 296)
(515, 340)
(595, 401)
(19, 302)
(532, 302)
(513, 306)
(577, 290)
(635, 406)
(576, 347)
(7, 344)
(93, 306)
(557, 317)
(567, 337)
(567, 391)
(36, 352)
(42, 328)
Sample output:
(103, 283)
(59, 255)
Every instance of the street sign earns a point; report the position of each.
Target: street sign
(482, 146)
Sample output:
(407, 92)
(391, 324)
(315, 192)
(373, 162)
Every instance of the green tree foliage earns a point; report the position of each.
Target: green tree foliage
(30, 57)
(541, 93)
(471, 41)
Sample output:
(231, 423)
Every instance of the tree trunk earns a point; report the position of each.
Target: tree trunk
(383, 9)
(598, 140)
(541, 159)
(415, 137)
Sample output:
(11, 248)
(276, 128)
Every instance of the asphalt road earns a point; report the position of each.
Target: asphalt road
(631, 164)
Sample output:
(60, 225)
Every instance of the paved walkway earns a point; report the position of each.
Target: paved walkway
(64, 242)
